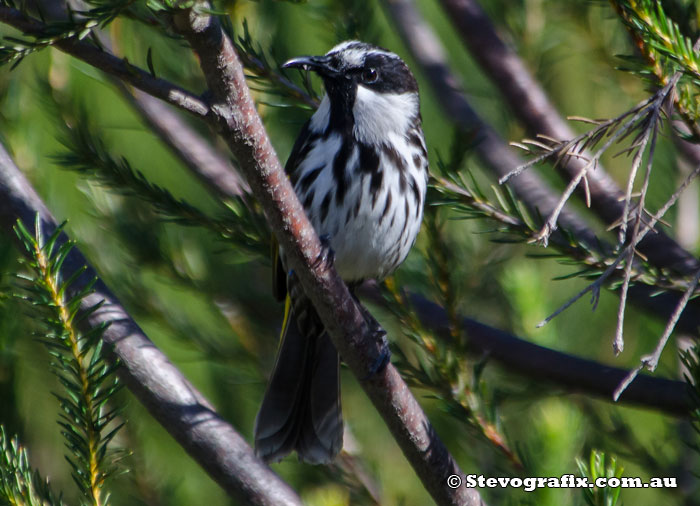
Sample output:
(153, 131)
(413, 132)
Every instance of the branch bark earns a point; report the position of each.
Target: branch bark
(156, 382)
(531, 105)
(235, 114)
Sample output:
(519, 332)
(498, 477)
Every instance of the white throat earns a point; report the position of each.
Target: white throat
(378, 115)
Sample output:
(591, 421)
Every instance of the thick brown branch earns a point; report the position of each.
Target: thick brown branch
(531, 105)
(110, 64)
(238, 122)
(159, 385)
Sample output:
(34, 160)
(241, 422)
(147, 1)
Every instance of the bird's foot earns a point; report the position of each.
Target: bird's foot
(326, 257)
(379, 334)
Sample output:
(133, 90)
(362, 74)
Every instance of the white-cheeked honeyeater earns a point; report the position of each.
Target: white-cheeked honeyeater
(360, 169)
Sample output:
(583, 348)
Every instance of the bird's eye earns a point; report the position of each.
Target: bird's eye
(370, 75)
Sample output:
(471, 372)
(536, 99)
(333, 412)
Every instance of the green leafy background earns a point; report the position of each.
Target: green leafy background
(207, 303)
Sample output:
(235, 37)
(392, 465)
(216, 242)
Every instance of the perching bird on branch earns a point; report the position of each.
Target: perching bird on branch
(360, 168)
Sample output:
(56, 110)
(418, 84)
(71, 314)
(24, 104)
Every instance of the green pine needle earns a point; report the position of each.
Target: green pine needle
(79, 361)
(19, 483)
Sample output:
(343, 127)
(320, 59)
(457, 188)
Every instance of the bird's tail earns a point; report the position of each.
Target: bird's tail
(301, 408)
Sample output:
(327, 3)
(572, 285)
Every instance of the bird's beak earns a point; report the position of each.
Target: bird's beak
(319, 64)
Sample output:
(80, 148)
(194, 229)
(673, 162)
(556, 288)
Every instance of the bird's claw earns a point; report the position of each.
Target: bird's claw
(382, 359)
(379, 334)
(326, 257)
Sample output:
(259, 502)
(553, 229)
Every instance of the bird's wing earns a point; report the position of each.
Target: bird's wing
(298, 150)
(279, 273)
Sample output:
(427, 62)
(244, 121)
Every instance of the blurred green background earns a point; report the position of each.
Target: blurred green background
(208, 305)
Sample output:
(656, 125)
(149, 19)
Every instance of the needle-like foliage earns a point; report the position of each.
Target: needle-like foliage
(88, 419)
(239, 222)
(597, 467)
(672, 58)
(19, 483)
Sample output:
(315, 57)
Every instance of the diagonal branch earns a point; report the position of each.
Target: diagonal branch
(237, 120)
(428, 52)
(200, 157)
(159, 385)
(110, 64)
(531, 105)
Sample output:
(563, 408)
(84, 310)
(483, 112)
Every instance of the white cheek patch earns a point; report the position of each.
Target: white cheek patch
(377, 114)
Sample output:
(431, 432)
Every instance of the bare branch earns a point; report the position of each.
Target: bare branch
(626, 252)
(650, 361)
(158, 384)
(648, 136)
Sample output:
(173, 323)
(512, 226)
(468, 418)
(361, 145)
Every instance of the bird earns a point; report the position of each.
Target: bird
(360, 168)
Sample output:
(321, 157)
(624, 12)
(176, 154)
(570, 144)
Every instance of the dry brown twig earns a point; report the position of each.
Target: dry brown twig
(597, 285)
(644, 119)
(646, 114)
(650, 361)
(530, 103)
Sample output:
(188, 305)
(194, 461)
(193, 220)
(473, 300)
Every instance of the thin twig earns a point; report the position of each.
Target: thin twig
(598, 283)
(618, 342)
(615, 129)
(650, 361)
